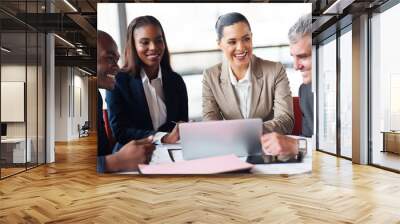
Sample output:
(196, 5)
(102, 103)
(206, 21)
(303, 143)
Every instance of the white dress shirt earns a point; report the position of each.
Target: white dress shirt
(242, 90)
(155, 100)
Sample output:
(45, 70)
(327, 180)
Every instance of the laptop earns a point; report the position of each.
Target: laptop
(217, 138)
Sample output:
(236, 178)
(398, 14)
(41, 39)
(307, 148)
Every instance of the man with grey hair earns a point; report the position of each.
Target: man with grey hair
(300, 46)
(300, 40)
(300, 49)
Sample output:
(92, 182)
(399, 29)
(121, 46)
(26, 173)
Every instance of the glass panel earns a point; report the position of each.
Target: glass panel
(41, 99)
(22, 79)
(327, 97)
(31, 85)
(385, 89)
(346, 94)
(31, 98)
(13, 86)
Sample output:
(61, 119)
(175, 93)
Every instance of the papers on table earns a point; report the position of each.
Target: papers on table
(211, 165)
(161, 156)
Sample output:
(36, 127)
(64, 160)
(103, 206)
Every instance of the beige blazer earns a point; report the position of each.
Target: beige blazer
(271, 96)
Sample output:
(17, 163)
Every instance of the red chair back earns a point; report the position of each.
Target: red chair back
(297, 116)
(107, 127)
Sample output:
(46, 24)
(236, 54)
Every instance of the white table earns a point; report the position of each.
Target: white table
(16, 146)
(161, 155)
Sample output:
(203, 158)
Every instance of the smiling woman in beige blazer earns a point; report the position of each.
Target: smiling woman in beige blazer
(243, 85)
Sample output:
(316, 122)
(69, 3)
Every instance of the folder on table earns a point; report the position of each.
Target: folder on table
(211, 165)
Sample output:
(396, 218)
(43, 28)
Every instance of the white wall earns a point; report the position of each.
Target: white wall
(61, 103)
(70, 83)
(14, 73)
(33, 126)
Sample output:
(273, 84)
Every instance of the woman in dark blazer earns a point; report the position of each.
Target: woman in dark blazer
(149, 97)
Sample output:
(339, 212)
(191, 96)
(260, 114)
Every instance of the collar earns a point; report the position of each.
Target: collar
(145, 78)
(246, 77)
(255, 65)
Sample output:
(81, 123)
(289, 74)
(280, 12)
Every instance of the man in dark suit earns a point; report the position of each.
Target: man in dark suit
(132, 153)
(301, 50)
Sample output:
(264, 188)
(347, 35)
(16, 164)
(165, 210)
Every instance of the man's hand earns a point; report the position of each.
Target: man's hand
(279, 145)
(131, 155)
(173, 136)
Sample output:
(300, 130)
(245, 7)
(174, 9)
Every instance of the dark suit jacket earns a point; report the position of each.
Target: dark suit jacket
(103, 146)
(129, 112)
(307, 109)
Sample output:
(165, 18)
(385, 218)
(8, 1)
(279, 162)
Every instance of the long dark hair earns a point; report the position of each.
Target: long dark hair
(132, 63)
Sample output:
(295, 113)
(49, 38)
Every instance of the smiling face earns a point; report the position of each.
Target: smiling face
(107, 62)
(150, 45)
(302, 57)
(237, 45)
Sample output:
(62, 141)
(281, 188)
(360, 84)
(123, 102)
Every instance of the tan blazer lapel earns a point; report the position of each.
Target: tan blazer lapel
(229, 94)
(257, 85)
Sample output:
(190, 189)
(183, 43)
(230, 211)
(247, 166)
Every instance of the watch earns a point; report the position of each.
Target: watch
(302, 150)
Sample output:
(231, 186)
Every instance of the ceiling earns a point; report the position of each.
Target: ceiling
(76, 25)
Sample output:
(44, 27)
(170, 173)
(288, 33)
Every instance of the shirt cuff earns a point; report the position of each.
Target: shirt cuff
(158, 136)
(101, 164)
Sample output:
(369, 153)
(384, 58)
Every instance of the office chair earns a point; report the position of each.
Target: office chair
(84, 130)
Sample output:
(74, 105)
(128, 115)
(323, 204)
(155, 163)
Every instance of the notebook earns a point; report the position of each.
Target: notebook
(211, 165)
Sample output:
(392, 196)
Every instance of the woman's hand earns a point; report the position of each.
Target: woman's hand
(173, 136)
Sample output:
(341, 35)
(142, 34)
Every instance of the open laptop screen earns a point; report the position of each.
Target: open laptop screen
(217, 138)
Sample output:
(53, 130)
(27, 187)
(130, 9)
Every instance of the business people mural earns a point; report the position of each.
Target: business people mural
(201, 88)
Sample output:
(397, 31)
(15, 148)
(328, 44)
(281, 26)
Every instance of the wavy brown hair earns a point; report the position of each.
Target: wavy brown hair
(133, 64)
